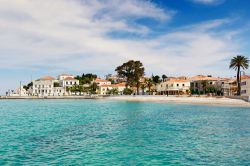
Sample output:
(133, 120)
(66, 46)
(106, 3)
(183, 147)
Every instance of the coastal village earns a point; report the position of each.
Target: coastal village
(90, 84)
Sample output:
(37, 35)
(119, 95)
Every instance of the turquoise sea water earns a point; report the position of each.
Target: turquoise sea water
(100, 132)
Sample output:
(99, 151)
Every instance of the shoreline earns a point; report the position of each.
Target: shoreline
(218, 101)
(49, 97)
(201, 100)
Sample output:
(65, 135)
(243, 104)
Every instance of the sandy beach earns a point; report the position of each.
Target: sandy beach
(185, 100)
(224, 101)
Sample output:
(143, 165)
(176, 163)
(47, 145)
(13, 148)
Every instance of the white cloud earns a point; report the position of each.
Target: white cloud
(209, 2)
(63, 35)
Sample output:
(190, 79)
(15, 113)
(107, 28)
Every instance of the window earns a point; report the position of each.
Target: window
(211, 83)
(243, 91)
(50, 86)
(183, 84)
(35, 86)
(67, 82)
(177, 84)
(243, 83)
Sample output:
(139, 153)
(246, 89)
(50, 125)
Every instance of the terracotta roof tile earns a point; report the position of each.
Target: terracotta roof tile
(114, 85)
(45, 78)
(245, 77)
(100, 80)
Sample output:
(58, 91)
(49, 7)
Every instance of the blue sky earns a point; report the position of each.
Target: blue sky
(172, 37)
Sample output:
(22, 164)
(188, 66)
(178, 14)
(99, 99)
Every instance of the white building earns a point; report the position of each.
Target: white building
(197, 82)
(45, 87)
(245, 86)
(100, 82)
(174, 86)
(68, 81)
(228, 86)
(105, 88)
(19, 92)
(63, 76)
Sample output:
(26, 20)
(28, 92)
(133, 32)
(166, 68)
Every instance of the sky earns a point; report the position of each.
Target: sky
(172, 37)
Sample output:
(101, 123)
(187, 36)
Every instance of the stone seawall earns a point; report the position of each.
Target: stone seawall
(245, 98)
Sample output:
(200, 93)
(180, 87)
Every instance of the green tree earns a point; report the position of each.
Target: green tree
(56, 84)
(127, 91)
(164, 77)
(204, 84)
(237, 63)
(149, 83)
(26, 87)
(156, 79)
(132, 71)
(113, 91)
(86, 78)
(143, 87)
(93, 87)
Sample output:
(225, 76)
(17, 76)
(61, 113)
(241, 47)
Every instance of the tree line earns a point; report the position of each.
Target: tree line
(133, 72)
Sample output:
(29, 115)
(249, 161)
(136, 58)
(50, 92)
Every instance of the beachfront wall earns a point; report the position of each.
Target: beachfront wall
(245, 87)
(173, 87)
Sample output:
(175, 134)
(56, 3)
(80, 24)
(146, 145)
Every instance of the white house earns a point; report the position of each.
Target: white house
(245, 86)
(19, 92)
(105, 88)
(173, 86)
(100, 82)
(63, 76)
(45, 87)
(68, 82)
(196, 82)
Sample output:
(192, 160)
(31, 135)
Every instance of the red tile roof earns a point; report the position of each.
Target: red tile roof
(100, 80)
(114, 85)
(245, 77)
(46, 78)
(173, 80)
(202, 77)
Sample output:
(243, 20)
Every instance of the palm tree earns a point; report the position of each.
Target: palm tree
(204, 84)
(237, 63)
(143, 87)
(163, 77)
(149, 83)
